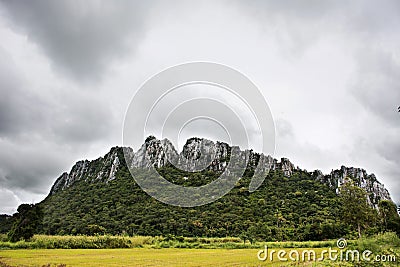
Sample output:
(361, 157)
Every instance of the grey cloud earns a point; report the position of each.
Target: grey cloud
(303, 9)
(368, 18)
(33, 154)
(298, 25)
(284, 128)
(369, 30)
(81, 38)
(377, 85)
(358, 16)
(17, 105)
(9, 201)
(80, 119)
(43, 131)
(64, 116)
(29, 167)
(389, 149)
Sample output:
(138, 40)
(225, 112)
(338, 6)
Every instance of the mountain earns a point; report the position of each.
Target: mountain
(157, 151)
(290, 204)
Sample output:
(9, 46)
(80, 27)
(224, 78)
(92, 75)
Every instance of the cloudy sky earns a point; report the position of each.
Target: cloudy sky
(329, 70)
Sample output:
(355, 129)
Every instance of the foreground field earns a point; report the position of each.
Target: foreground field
(133, 257)
(68, 251)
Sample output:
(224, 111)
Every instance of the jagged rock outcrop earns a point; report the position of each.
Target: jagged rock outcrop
(153, 152)
(103, 169)
(198, 154)
(361, 178)
(286, 166)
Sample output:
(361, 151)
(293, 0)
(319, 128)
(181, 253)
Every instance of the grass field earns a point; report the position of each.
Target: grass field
(68, 251)
(134, 257)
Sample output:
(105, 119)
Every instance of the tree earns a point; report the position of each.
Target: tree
(389, 216)
(251, 233)
(94, 229)
(355, 209)
(5, 223)
(26, 221)
(243, 236)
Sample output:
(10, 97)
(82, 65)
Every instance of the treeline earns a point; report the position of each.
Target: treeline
(296, 208)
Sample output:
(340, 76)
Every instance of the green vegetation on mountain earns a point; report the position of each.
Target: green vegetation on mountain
(295, 208)
(283, 208)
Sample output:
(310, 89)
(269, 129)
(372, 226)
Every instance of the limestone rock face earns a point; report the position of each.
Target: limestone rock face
(286, 166)
(153, 152)
(201, 154)
(198, 154)
(103, 169)
(361, 178)
(59, 184)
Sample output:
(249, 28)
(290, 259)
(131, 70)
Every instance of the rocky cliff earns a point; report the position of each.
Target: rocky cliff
(200, 153)
(361, 178)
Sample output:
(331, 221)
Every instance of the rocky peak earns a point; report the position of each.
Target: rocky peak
(195, 147)
(361, 178)
(101, 169)
(153, 152)
(286, 166)
(199, 153)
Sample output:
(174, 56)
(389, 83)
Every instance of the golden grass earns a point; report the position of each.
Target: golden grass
(168, 257)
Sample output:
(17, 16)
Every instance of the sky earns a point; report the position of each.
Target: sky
(329, 71)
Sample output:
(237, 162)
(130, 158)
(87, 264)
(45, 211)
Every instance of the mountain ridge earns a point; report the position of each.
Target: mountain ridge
(157, 152)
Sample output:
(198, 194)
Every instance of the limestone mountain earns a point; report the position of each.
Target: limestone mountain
(291, 203)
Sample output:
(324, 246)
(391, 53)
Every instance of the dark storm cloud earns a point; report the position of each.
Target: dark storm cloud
(29, 167)
(38, 140)
(81, 119)
(41, 130)
(46, 122)
(80, 38)
(17, 105)
(68, 116)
